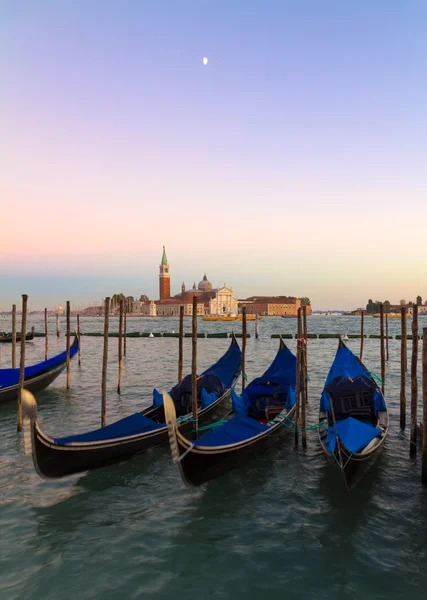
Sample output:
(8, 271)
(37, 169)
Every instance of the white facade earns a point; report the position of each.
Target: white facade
(223, 303)
(148, 308)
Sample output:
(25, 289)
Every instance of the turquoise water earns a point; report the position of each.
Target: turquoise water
(281, 526)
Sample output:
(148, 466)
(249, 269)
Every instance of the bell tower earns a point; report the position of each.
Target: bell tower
(164, 278)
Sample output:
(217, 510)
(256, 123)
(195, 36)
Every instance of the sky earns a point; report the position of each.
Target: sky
(293, 163)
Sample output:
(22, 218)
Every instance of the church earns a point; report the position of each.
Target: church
(210, 301)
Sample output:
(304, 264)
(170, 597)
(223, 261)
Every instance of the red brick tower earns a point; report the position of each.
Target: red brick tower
(164, 278)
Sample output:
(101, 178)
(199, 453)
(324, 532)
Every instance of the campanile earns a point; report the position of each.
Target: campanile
(164, 277)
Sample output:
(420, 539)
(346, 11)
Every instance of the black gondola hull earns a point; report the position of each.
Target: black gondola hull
(201, 465)
(53, 460)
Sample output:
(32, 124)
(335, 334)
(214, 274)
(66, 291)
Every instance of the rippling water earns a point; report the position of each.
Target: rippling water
(282, 525)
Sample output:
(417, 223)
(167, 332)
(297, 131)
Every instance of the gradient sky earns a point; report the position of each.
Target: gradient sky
(294, 163)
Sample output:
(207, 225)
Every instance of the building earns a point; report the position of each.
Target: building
(273, 306)
(210, 301)
(164, 278)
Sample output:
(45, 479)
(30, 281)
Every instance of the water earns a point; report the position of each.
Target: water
(281, 526)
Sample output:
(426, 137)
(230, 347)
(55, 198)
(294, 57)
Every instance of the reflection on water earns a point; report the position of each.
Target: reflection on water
(282, 525)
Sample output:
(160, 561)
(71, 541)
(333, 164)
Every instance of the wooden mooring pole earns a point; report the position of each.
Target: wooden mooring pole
(256, 326)
(304, 373)
(78, 337)
(414, 382)
(124, 329)
(22, 361)
(14, 336)
(362, 335)
(46, 335)
(243, 347)
(194, 366)
(382, 354)
(386, 338)
(180, 342)
(120, 347)
(298, 378)
(424, 371)
(104, 364)
(57, 324)
(68, 345)
(403, 368)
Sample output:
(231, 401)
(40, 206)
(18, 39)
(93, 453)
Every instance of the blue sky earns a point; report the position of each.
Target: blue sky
(293, 163)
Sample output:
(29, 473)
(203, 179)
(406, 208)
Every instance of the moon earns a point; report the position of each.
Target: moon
(205, 61)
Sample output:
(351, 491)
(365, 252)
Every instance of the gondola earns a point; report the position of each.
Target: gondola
(261, 415)
(59, 457)
(354, 415)
(7, 337)
(36, 377)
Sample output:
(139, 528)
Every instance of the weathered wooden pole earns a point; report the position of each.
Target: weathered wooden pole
(414, 381)
(46, 335)
(68, 345)
(57, 324)
(124, 330)
(14, 336)
(22, 360)
(298, 377)
(382, 354)
(104, 364)
(403, 368)
(386, 337)
(424, 461)
(256, 326)
(362, 334)
(194, 366)
(120, 346)
(180, 342)
(78, 337)
(424, 372)
(304, 374)
(243, 347)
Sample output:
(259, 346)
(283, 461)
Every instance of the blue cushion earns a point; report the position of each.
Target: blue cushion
(157, 398)
(207, 399)
(237, 429)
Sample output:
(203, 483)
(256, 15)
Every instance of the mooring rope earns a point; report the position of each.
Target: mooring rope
(403, 436)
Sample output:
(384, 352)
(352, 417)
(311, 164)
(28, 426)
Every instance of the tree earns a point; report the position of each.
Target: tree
(386, 306)
(419, 301)
(403, 303)
(305, 302)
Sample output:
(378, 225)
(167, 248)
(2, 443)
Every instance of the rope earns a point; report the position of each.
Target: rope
(403, 436)
(374, 376)
(210, 426)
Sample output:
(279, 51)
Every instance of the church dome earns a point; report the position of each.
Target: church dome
(205, 285)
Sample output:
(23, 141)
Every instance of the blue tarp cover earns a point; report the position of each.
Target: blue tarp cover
(10, 377)
(228, 366)
(207, 398)
(345, 364)
(278, 379)
(131, 425)
(354, 434)
(237, 429)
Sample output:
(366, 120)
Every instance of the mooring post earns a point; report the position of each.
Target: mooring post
(194, 366)
(78, 338)
(424, 461)
(180, 342)
(362, 335)
(120, 346)
(256, 326)
(382, 354)
(68, 345)
(304, 372)
(57, 324)
(403, 368)
(46, 335)
(386, 337)
(414, 381)
(22, 360)
(298, 377)
(243, 347)
(104, 364)
(14, 336)
(124, 329)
